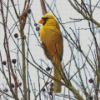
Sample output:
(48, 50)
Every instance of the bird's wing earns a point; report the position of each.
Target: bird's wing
(46, 51)
(58, 42)
(59, 48)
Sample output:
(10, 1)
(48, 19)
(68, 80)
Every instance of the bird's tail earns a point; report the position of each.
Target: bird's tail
(57, 85)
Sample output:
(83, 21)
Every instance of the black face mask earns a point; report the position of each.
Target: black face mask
(45, 19)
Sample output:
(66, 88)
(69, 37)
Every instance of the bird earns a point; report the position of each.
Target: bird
(52, 43)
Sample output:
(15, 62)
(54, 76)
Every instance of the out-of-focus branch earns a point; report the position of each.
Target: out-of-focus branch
(26, 5)
(15, 9)
(22, 25)
(83, 14)
(44, 11)
(3, 72)
(3, 92)
(6, 46)
(7, 10)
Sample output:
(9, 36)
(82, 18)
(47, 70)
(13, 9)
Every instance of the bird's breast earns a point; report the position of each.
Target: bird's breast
(49, 35)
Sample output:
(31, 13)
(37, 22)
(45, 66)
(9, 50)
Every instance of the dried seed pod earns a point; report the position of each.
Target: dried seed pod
(29, 10)
(13, 61)
(90, 80)
(19, 83)
(4, 62)
(16, 35)
(43, 89)
(48, 69)
(50, 93)
(37, 28)
(23, 37)
(12, 85)
(25, 14)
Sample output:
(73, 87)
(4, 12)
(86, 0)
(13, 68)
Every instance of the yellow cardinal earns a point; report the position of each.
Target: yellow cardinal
(52, 44)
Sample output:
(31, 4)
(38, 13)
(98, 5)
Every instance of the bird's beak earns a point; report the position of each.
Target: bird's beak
(41, 21)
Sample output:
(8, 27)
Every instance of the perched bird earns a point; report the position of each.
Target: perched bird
(52, 43)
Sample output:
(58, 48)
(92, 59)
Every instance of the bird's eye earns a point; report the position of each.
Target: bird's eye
(45, 19)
